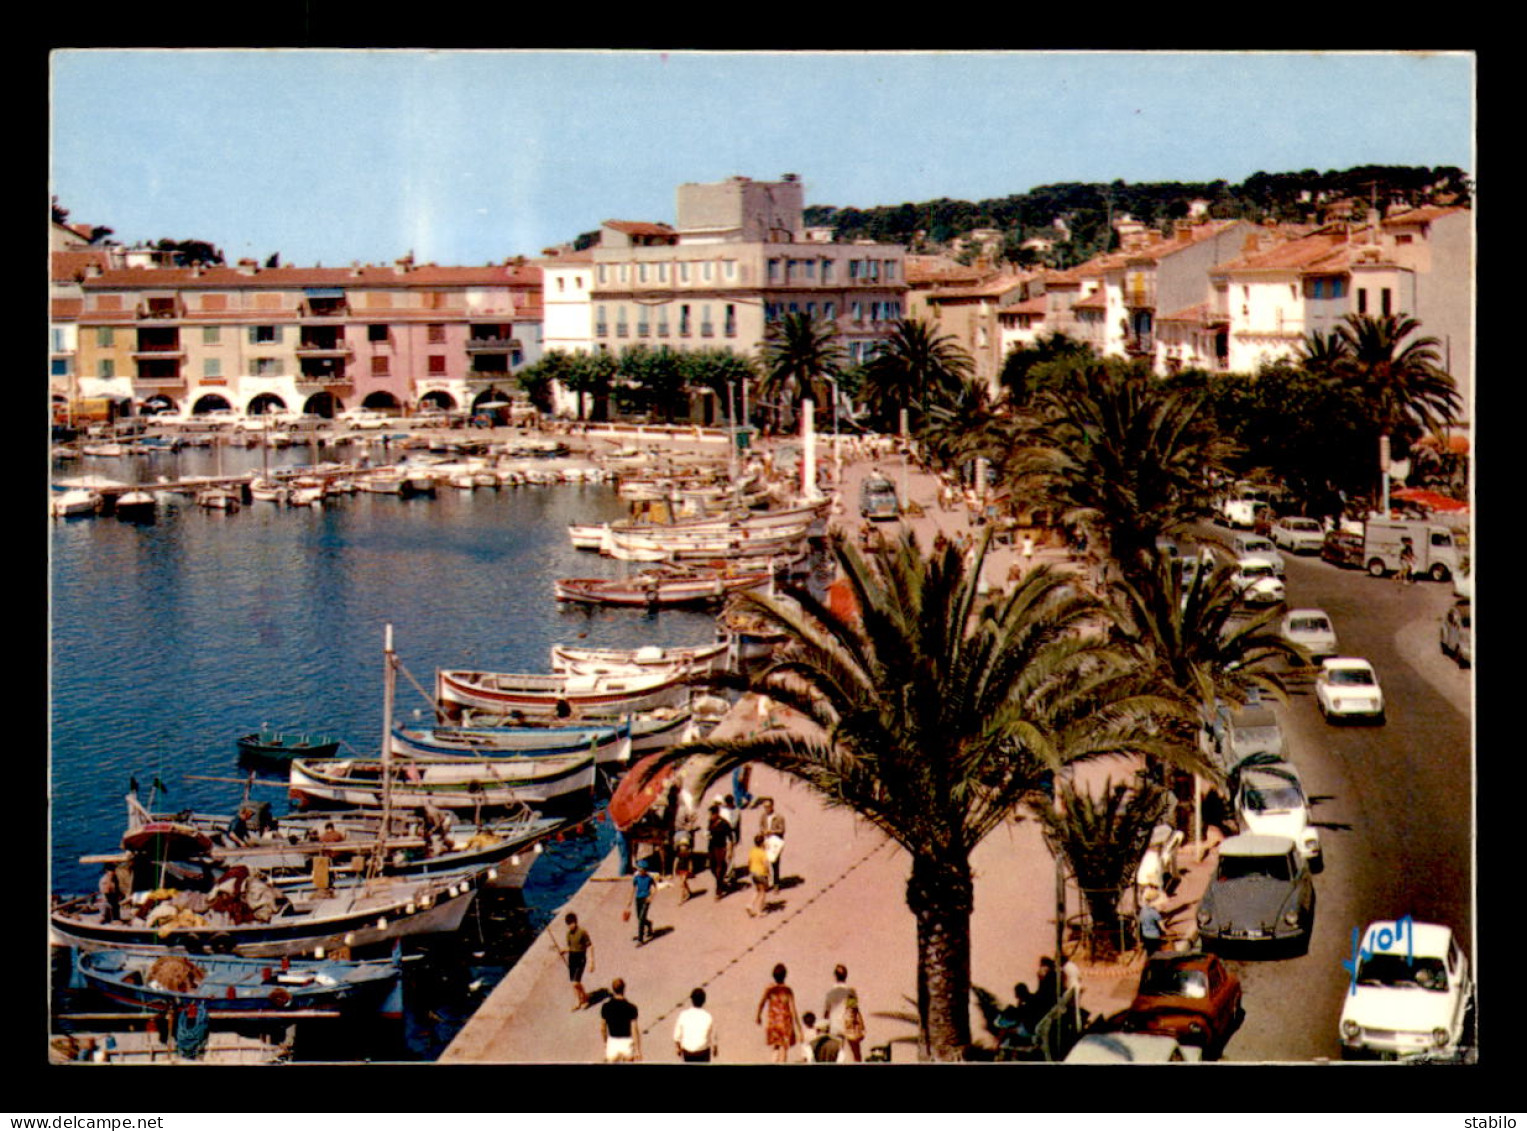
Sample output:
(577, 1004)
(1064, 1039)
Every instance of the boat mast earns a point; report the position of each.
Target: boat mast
(379, 855)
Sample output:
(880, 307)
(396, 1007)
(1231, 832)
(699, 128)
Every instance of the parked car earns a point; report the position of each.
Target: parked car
(1411, 994)
(1262, 893)
(1256, 546)
(1299, 535)
(1252, 730)
(877, 499)
(1192, 998)
(1270, 801)
(1310, 630)
(1130, 1048)
(1258, 582)
(1348, 688)
(1343, 548)
(364, 418)
(1458, 633)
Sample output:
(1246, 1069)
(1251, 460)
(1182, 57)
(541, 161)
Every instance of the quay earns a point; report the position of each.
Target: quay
(842, 900)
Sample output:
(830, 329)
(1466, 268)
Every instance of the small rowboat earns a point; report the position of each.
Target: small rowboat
(607, 744)
(598, 661)
(551, 695)
(224, 983)
(285, 745)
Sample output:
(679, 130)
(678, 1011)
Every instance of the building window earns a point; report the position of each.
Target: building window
(856, 312)
(1362, 300)
(1384, 306)
(59, 367)
(729, 268)
(211, 335)
(708, 270)
(809, 268)
(602, 274)
(264, 335)
(212, 367)
(380, 366)
(853, 269)
(1338, 288)
(436, 332)
(561, 284)
(263, 367)
(731, 320)
(641, 272)
(437, 365)
(811, 311)
(108, 369)
(683, 272)
(830, 311)
(662, 272)
(378, 332)
(773, 270)
(104, 337)
(890, 269)
(684, 320)
(827, 270)
(623, 272)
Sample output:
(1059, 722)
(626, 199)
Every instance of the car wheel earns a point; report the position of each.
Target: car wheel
(1376, 568)
(1438, 572)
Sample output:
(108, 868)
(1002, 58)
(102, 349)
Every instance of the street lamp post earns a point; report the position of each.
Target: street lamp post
(837, 462)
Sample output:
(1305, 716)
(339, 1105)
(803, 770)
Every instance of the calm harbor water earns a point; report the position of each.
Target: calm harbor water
(171, 638)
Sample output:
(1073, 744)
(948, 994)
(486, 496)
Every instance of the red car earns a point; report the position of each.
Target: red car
(1193, 997)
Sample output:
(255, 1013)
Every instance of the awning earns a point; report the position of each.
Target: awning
(1431, 500)
(324, 292)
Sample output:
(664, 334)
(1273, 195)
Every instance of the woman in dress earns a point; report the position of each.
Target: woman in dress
(784, 1024)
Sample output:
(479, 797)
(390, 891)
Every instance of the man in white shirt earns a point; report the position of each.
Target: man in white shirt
(694, 1033)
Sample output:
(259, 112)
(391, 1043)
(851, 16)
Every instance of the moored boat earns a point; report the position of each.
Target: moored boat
(558, 695)
(446, 783)
(653, 589)
(273, 743)
(598, 661)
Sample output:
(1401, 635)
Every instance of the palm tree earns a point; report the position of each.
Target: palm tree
(797, 356)
(933, 717)
(1324, 353)
(1403, 385)
(1118, 453)
(913, 369)
(1102, 839)
(961, 426)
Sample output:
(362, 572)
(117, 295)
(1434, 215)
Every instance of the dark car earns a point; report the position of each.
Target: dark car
(1191, 997)
(1262, 894)
(1343, 548)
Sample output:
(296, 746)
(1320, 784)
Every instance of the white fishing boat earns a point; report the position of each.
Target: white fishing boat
(558, 695)
(632, 661)
(445, 783)
(218, 499)
(136, 504)
(73, 504)
(263, 490)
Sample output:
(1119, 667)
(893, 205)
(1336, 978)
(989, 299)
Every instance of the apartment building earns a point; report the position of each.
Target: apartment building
(737, 260)
(307, 339)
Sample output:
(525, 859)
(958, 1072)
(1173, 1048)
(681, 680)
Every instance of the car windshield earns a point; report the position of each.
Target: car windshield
(1256, 571)
(1163, 980)
(1302, 524)
(1262, 798)
(1352, 677)
(1255, 867)
(1391, 968)
(1309, 624)
(1268, 737)
(1257, 546)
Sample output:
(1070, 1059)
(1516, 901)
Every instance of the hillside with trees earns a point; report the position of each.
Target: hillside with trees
(1086, 211)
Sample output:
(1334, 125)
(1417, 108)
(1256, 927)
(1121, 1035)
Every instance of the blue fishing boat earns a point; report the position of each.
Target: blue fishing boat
(283, 745)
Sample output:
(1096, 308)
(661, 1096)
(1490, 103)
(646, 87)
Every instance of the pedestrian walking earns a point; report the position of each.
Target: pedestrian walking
(784, 1024)
(853, 1029)
(758, 874)
(617, 1026)
(1406, 574)
(694, 1032)
(720, 849)
(640, 896)
(578, 955)
(1028, 552)
(740, 778)
(835, 1008)
(683, 858)
(1152, 932)
(773, 828)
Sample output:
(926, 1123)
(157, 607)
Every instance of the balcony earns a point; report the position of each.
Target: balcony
(329, 308)
(1140, 345)
(324, 349)
(1141, 296)
(486, 343)
(161, 308)
(150, 350)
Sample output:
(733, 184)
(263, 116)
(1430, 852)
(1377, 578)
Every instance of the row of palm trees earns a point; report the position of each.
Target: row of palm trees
(936, 712)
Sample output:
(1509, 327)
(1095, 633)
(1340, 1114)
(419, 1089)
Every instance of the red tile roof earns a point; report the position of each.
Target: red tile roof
(640, 228)
(1423, 215)
(67, 266)
(1292, 255)
(66, 309)
(991, 287)
(265, 278)
(1195, 313)
(1097, 300)
(1036, 305)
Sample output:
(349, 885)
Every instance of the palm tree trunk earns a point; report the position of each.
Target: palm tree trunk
(941, 896)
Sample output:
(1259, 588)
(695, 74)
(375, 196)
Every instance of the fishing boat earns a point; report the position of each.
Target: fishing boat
(445, 783)
(558, 695)
(658, 589)
(607, 744)
(218, 499)
(264, 490)
(602, 661)
(271, 743)
(655, 729)
(136, 505)
(504, 845)
(148, 1046)
(73, 503)
(308, 920)
(224, 983)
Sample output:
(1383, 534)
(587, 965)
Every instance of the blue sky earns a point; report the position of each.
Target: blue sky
(470, 157)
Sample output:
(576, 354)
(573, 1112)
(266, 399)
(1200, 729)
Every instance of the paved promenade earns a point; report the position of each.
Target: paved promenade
(842, 900)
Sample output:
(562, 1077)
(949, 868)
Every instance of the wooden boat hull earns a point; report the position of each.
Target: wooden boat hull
(283, 746)
(540, 695)
(606, 744)
(231, 983)
(463, 783)
(382, 911)
(637, 593)
(599, 661)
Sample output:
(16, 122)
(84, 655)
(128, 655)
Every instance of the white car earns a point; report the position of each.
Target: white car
(1311, 630)
(1457, 633)
(1255, 546)
(1131, 1048)
(1348, 688)
(365, 418)
(1258, 582)
(1410, 994)
(1270, 801)
(1299, 535)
